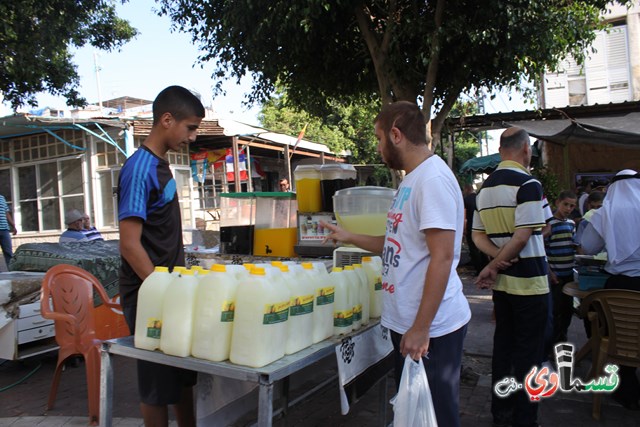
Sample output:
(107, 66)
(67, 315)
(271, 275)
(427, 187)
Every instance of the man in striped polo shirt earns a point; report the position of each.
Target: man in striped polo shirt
(507, 226)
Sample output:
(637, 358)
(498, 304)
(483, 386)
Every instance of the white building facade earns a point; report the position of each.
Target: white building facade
(611, 70)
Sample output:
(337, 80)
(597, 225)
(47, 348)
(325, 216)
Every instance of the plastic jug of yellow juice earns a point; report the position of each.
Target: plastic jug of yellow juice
(260, 324)
(178, 269)
(213, 314)
(323, 303)
(177, 315)
(238, 271)
(374, 280)
(364, 292)
(149, 309)
(354, 295)
(300, 323)
(342, 306)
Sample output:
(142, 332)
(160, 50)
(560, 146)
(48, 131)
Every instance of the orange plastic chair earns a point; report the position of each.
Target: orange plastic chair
(615, 325)
(71, 290)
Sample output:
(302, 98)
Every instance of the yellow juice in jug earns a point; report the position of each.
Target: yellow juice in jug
(274, 241)
(177, 315)
(260, 323)
(369, 224)
(308, 195)
(149, 312)
(214, 311)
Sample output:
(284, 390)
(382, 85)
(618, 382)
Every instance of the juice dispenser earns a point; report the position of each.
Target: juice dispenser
(334, 177)
(237, 217)
(307, 179)
(275, 230)
(363, 210)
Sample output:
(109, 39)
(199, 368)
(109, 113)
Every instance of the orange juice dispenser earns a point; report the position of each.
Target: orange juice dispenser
(307, 178)
(237, 218)
(312, 206)
(275, 230)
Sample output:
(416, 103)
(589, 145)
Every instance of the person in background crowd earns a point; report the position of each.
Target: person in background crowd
(614, 228)
(90, 232)
(594, 202)
(560, 247)
(424, 307)
(478, 259)
(73, 233)
(507, 226)
(151, 235)
(7, 228)
(582, 198)
(284, 184)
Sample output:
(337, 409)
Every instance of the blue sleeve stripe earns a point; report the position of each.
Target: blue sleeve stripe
(140, 175)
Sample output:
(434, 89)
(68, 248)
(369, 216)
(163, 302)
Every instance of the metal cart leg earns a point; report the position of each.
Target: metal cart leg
(265, 404)
(106, 387)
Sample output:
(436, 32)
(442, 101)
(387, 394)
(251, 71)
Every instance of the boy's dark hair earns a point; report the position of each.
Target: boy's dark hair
(596, 196)
(177, 101)
(407, 117)
(567, 194)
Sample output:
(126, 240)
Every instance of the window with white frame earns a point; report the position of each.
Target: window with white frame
(107, 186)
(108, 161)
(183, 187)
(603, 78)
(46, 191)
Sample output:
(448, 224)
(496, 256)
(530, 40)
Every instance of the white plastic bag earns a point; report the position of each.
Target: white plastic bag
(412, 406)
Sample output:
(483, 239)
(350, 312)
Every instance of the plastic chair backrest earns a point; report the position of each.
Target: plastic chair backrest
(71, 290)
(620, 311)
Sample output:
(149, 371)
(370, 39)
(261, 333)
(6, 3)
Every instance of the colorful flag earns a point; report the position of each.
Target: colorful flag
(242, 166)
(199, 165)
(300, 136)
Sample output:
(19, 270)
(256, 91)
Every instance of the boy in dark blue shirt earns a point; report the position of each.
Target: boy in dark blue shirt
(151, 235)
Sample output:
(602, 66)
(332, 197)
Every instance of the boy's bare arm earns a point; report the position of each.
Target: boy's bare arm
(131, 247)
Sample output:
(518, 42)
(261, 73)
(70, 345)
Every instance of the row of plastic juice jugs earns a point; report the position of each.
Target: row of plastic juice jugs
(253, 318)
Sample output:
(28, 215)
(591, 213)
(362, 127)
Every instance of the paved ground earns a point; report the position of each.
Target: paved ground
(24, 388)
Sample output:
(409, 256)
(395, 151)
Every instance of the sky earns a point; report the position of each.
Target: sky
(157, 58)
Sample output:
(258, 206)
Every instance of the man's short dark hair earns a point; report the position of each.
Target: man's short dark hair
(407, 117)
(179, 102)
(514, 138)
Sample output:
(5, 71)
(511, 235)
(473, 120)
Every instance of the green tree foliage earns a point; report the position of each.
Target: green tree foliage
(423, 51)
(343, 127)
(35, 41)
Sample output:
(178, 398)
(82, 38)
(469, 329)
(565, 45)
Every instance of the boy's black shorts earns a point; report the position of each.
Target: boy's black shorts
(159, 384)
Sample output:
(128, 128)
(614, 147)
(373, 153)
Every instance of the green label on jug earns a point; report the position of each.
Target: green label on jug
(154, 328)
(325, 295)
(301, 305)
(342, 319)
(357, 313)
(378, 284)
(228, 311)
(276, 313)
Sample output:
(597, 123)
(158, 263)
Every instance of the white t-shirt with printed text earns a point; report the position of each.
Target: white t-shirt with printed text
(428, 197)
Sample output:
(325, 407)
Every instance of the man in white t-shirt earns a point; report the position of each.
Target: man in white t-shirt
(424, 306)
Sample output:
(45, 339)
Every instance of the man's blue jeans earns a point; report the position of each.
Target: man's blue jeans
(5, 243)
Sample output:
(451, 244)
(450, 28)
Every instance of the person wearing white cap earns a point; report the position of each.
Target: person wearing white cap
(74, 220)
(614, 228)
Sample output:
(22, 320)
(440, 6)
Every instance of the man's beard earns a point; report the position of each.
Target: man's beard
(391, 156)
